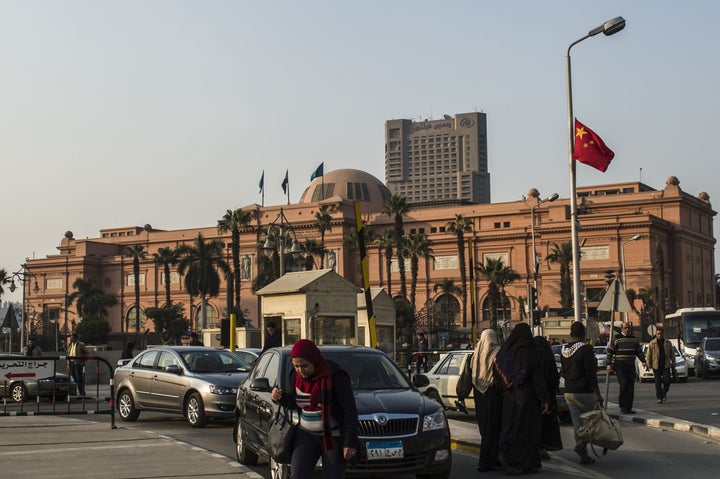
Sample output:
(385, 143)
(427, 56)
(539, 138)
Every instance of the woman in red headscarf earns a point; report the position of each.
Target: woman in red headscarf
(328, 415)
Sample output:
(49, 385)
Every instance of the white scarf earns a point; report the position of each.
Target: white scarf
(482, 360)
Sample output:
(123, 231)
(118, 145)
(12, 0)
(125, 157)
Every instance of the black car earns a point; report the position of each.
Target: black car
(401, 431)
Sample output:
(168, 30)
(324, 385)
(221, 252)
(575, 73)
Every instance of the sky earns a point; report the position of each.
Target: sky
(116, 114)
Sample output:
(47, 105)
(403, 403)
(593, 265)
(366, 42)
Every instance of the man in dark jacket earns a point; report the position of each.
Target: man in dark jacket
(621, 354)
(581, 387)
(272, 337)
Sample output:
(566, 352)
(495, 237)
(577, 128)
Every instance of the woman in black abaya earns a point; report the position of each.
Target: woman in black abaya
(551, 439)
(525, 399)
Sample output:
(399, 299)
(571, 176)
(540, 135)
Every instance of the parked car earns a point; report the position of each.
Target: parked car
(401, 431)
(707, 358)
(249, 355)
(20, 390)
(19, 381)
(195, 381)
(443, 378)
(600, 356)
(643, 375)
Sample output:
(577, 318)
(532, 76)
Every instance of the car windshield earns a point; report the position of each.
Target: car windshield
(210, 361)
(712, 344)
(370, 370)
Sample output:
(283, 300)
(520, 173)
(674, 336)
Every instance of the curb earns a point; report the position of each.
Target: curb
(680, 425)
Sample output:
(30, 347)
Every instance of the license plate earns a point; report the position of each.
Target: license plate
(384, 450)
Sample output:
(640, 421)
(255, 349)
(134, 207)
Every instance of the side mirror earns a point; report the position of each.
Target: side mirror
(173, 369)
(260, 385)
(420, 380)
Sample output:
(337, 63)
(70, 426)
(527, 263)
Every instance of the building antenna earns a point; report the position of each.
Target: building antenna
(641, 180)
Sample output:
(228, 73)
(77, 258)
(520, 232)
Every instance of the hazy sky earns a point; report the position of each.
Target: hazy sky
(166, 112)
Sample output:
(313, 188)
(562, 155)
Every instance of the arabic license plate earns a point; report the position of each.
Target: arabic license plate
(384, 450)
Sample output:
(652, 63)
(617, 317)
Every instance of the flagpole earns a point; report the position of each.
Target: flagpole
(262, 190)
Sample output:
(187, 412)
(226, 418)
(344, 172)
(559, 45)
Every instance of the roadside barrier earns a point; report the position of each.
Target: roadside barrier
(34, 385)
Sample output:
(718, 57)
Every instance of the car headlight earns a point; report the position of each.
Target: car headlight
(437, 420)
(710, 358)
(222, 390)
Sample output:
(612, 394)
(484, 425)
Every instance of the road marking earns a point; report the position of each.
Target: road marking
(37, 450)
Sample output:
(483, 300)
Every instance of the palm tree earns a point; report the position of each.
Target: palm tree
(386, 243)
(322, 224)
(311, 248)
(4, 279)
(562, 254)
(459, 226)
(449, 289)
(498, 277)
(201, 261)
(136, 252)
(166, 257)
(233, 221)
(396, 207)
(89, 300)
(417, 246)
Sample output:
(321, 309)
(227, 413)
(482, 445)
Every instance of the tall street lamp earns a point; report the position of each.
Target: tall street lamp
(283, 230)
(549, 199)
(622, 263)
(608, 28)
(22, 275)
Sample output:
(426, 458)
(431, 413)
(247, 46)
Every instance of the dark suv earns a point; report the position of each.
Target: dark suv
(401, 431)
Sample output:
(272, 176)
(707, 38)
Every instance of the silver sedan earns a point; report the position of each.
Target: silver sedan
(197, 382)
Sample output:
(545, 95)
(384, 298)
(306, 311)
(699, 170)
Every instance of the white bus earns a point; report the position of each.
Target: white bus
(686, 327)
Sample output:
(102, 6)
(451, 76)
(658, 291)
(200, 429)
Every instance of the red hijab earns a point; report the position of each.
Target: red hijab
(319, 385)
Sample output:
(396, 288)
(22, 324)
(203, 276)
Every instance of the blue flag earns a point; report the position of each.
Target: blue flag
(285, 182)
(318, 172)
(262, 182)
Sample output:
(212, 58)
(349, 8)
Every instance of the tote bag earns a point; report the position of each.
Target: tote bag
(281, 436)
(600, 429)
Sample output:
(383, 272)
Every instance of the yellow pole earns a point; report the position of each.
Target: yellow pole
(232, 331)
(366, 275)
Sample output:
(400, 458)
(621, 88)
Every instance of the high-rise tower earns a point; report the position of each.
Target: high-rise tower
(438, 159)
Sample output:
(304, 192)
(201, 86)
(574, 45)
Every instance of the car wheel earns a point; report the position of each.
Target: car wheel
(435, 397)
(195, 411)
(126, 407)
(278, 470)
(244, 455)
(18, 392)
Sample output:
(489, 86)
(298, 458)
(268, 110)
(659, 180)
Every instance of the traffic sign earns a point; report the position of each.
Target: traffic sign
(615, 299)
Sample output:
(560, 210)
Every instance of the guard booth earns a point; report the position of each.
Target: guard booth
(319, 305)
(384, 311)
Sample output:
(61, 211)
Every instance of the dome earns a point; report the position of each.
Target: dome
(354, 185)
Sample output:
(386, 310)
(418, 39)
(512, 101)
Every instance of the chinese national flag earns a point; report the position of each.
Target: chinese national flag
(590, 149)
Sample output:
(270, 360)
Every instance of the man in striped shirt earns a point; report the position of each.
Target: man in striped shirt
(621, 354)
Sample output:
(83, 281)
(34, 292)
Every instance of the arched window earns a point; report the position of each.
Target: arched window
(130, 320)
(212, 316)
(447, 311)
(503, 308)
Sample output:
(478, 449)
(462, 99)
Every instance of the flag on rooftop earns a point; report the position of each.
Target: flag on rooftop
(262, 182)
(285, 182)
(318, 172)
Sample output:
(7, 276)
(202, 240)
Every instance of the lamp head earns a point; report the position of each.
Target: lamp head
(610, 27)
(36, 288)
(269, 246)
(552, 197)
(12, 286)
(636, 237)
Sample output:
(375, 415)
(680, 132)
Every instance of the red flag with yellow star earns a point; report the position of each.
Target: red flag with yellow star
(590, 149)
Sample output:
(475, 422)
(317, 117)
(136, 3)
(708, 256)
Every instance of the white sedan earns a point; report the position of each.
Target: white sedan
(444, 377)
(643, 375)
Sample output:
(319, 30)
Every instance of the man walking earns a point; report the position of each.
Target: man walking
(31, 349)
(661, 359)
(78, 350)
(621, 354)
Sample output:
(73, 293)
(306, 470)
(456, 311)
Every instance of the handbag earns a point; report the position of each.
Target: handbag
(464, 385)
(281, 436)
(599, 429)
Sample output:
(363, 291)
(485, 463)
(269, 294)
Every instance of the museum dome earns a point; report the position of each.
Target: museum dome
(354, 185)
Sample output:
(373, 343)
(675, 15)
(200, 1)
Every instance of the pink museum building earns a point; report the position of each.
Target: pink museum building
(665, 237)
